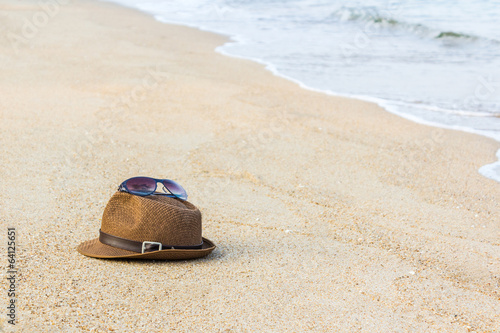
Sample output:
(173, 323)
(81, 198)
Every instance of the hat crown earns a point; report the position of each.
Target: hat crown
(153, 218)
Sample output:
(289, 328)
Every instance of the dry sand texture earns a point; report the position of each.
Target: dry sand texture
(329, 213)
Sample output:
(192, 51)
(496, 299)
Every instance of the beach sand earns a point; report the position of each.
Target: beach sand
(329, 214)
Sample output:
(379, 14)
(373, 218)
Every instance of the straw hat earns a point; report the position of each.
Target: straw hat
(150, 227)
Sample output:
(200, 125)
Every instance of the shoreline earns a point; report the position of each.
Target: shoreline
(328, 213)
(490, 170)
(485, 170)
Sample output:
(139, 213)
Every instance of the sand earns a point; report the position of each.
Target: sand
(330, 214)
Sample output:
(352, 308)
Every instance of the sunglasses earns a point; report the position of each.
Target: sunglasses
(143, 186)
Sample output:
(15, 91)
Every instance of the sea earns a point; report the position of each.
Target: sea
(435, 62)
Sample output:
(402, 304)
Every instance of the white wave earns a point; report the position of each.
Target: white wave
(492, 170)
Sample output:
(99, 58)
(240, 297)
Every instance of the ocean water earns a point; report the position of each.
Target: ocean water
(433, 62)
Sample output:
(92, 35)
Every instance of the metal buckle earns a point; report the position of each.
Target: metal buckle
(160, 246)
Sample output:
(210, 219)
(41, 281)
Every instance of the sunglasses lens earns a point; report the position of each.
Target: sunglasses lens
(141, 185)
(175, 189)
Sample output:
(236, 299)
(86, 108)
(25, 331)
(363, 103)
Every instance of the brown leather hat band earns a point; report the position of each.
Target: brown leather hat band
(140, 247)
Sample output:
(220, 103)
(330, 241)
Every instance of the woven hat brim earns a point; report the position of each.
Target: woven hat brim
(94, 248)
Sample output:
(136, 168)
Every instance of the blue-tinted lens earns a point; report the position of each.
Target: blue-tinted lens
(175, 189)
(141, 185)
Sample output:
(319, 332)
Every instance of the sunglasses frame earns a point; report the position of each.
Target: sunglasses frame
(123, 188)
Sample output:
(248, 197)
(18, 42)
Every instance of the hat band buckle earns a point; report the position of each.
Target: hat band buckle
(146, 243)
